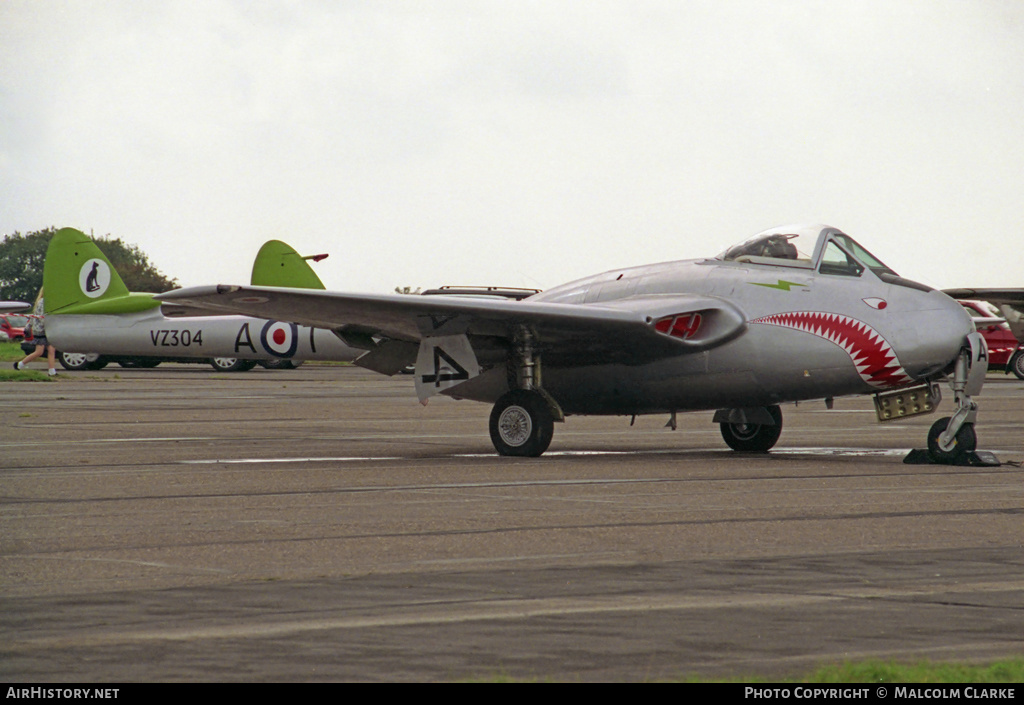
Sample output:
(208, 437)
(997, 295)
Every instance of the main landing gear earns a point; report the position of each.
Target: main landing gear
(523, 419)
(750, 430)
(522, 424)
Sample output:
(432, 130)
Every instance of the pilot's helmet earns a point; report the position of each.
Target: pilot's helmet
(780, 248)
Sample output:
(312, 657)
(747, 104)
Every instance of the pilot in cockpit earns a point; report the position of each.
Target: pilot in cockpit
(780, 248)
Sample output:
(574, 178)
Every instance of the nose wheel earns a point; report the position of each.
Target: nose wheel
(964, 442)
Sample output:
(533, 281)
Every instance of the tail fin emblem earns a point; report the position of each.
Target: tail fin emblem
(94, 278)
(91, 283)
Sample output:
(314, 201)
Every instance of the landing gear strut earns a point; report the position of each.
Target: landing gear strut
(522, 420)
(952, 440)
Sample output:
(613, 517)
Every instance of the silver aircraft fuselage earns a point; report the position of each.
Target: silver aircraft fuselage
(806, 331)
(151, 334)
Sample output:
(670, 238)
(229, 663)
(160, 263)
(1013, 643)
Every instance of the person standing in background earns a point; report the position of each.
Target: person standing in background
(38, 327)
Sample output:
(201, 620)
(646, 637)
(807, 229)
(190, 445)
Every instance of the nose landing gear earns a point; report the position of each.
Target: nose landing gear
(952, 440)
(965, 441)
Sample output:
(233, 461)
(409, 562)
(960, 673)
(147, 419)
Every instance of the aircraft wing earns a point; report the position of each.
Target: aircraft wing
(1009, 301)
(14, 306)
(995, 296)
(627, 331)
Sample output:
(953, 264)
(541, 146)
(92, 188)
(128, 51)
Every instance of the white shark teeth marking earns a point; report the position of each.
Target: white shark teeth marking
(872, 356)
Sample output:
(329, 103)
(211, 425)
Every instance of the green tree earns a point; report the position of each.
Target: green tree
(134, 266)
(22, 257)
(21, 265)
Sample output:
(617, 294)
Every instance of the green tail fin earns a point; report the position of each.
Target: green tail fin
(78, 278)
(278, 264)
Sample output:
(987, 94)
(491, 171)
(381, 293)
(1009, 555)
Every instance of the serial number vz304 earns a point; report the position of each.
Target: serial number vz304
(176, 338)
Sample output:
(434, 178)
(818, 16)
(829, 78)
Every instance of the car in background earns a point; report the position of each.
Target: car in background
(94, 361)
(13, 325)
(1005, 352)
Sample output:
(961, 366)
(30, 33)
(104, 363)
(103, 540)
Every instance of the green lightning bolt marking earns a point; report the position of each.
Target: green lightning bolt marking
(783, 285)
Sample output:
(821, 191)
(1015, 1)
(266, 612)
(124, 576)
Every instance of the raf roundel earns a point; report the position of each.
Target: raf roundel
(280, 339)
(94, 278)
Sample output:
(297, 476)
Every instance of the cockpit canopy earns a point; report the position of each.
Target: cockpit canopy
(820, 247)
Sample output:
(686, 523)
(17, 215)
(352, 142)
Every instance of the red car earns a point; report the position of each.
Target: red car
(13, 325)
(1005, 352)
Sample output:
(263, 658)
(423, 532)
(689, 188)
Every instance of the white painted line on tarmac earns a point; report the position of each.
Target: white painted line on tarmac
(875, 452)
(85, 441)
(243, 461)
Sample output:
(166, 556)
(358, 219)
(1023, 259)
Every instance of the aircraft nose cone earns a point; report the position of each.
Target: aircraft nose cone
(936, 329)
(959, 319)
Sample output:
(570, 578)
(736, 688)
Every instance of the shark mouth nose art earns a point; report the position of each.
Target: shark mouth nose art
(875, 360)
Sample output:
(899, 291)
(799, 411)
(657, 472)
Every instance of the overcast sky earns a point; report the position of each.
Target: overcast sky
(512, 142)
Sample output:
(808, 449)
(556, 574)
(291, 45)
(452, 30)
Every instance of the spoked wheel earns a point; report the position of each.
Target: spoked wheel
(966, 441)
(752, 437)
(521, 424)
(80, 361)
(231, 364)
(1017, 364)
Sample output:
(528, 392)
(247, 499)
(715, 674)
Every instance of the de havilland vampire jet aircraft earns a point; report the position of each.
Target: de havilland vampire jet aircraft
(792, 314)
(89, 310)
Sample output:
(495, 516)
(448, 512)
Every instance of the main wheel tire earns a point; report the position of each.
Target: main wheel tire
(1016, 364)
(966, 442)
(134, 363)
(279, 364)
(752, 437)
(80, 361)
(521, 424)
(231, 364)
